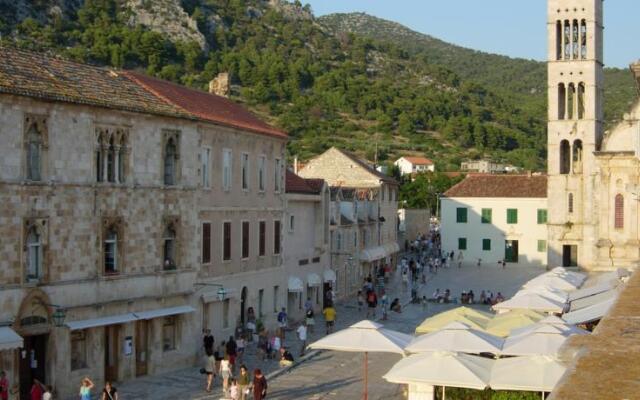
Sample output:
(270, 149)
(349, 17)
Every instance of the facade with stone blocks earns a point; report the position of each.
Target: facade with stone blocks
(366, 208)
(133, 214)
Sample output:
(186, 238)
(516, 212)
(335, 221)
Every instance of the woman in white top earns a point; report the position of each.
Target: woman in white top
(225, 373)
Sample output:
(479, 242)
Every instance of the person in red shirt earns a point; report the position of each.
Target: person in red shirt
(36, 390)
(4, 386)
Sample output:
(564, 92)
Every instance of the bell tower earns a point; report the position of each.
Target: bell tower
(575, 128)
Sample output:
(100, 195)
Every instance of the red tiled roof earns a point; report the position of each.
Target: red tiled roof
(38, 75)
(418, 160)
(297, 184)
(486, 185)
(204, 105)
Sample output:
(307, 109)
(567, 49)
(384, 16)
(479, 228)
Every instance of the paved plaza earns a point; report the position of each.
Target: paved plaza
(334, 375)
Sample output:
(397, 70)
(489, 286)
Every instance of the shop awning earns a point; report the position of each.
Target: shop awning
(164, 312)
(589, 314)
(392, 248)
(295, 284)
(104, 321)
(329, 275)
(9, 339)
(373, 253)
(314, 280)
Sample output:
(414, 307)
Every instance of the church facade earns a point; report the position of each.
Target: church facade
(593, 175)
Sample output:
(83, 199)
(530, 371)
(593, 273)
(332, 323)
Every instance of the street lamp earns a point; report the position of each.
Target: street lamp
(222, 293)
(58, 316)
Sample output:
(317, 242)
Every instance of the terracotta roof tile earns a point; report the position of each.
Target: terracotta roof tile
(299, 185)
(486, 185)
(418, 160)
(46, 77)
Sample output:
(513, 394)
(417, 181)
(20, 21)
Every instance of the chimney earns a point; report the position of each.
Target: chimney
(635, 70)
(220, 85)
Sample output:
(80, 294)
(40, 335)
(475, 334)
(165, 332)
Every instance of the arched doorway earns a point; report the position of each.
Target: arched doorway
(34, 325)
(243, 306)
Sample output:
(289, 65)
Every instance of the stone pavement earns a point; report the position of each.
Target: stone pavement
(333, 374)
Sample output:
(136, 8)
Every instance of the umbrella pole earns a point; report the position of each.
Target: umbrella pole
(366, 362)
(443, 394)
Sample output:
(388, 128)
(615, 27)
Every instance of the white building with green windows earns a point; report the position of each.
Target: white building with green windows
(496, 218)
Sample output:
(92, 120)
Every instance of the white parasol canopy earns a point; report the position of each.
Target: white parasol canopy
(557, 282)
(546, 291)
(546, 340)
(365, 336)
(531, 301)
(535, 374)
(442, 369)
(456, 336)
(567, 329)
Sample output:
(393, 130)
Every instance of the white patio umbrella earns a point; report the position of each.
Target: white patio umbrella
(534, 374)
(365, 337)
(458, 337)
(531, 301)
(442, 369)
(552, 281)
(546, 291)
(544, 341)
(576, 278)
(567, 329)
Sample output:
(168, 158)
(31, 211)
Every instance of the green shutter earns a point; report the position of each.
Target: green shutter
(462, 243)
(542, 245)
(461, 215)
(486, 216)
(486, 244)
(542, 216)
(512, 216)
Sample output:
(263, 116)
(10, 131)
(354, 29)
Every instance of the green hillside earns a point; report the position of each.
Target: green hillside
(324, 88)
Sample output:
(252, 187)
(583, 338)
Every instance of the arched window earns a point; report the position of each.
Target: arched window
(575, 35)
(170, 161)
(619, 212)
(571, 101)
(565, 157)
(169, 247)
(567, 40)
(111, 162)
(34, 154)
(559, 40)
(121, 159)
(581, 100)
(34, 255)
(110, 250)
(583, 39)
(562, 101)
(570, 203)
(577, 156)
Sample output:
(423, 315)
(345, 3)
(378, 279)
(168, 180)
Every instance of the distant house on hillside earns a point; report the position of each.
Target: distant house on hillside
(488, 167)
(412, 165)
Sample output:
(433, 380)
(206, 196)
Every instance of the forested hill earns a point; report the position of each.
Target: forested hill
(523, 81)
(325, 89)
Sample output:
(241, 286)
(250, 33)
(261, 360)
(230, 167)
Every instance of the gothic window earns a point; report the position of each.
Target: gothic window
(581, 100)
(562, 101)
(567, 40)
(565, 158)
(169, 247)
(583, 39)
(575, 39)
(35, 144)
(577, 156)
(571, 101)
(111, 161)
(570, 203)
(619, 212)
(559, 40)
(110, 251)
(34, 255)
(170, 161)
(111, 155)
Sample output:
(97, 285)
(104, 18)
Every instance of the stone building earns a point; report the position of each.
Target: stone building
(413, 165)
(593, 174)
(306, 245)
(364, 212)
(132, 215)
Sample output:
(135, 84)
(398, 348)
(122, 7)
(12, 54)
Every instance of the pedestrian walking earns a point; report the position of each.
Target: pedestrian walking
(225, 373)
(234, 390)
(372, 303)
(85, 389)
(302, 335)
(244, 381)
(232, 352)
(282, 322)
(460, 259)
(329, 317)
(109, 392)
(209, 369)
(360, 299)
(48, 393)
(259, 385)
(207, 341)
(310, 320)
(4, 386)
(479, 262)
(241, 344)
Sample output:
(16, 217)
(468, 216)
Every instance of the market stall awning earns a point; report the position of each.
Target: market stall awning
(589, 314)
(592, 300)
(314, 280)
(164, 312)
(104, 321)
(295, 284)
(9, 339)
(597, 288)
(392, 248)
(329, 275)
(372, 254)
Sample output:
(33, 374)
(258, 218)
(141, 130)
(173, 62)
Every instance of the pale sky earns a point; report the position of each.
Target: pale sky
(516, 28)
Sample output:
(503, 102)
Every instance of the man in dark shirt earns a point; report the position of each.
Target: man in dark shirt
(286, 358)
(207, 341)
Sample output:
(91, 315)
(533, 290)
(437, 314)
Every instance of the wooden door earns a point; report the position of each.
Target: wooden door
(32, 362)
(111, 353)
(142, 353)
